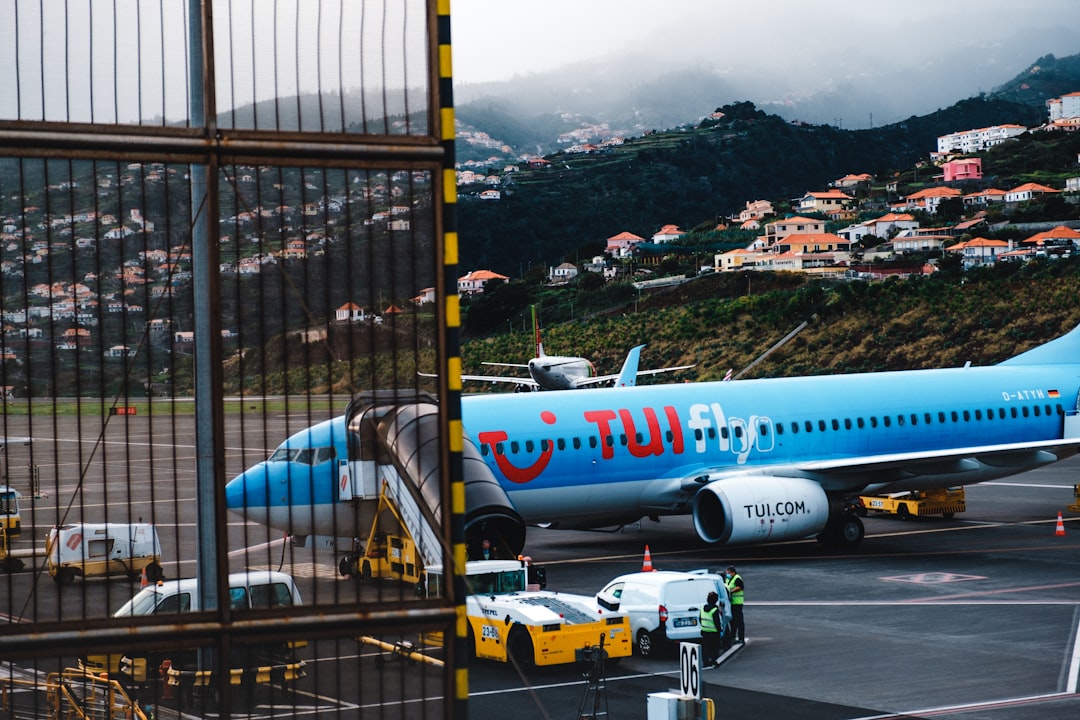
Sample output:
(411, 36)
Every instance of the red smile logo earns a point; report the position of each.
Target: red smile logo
(514, 474)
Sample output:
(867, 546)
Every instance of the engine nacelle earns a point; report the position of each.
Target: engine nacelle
(759, 509)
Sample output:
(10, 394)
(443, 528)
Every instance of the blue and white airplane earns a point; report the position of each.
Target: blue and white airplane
(752, 461)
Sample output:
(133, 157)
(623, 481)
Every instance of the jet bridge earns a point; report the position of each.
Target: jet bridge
(393, 442)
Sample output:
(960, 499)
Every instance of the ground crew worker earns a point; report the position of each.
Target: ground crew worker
(735, 588)
(709, 621)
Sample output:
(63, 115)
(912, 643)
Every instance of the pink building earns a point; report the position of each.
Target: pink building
(963, 169)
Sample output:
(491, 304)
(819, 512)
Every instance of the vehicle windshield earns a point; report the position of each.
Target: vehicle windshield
(499, 583)
(141, 604)
(9, 505)
(282, 455)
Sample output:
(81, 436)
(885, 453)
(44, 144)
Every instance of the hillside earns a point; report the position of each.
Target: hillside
(1045, 78)
(714, 323)
(692, 176)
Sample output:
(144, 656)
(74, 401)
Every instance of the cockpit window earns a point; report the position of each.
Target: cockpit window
(282, 455)
(305, 456)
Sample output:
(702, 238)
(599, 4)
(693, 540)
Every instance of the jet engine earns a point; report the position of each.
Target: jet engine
(759, 509)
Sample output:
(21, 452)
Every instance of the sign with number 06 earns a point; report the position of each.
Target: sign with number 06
(690, 669)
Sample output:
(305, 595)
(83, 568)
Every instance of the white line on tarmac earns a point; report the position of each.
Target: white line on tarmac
(1074, 664)
(968, 707)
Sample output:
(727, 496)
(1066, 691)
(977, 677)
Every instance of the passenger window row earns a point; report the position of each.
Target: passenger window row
(900, 420)
(926, 418)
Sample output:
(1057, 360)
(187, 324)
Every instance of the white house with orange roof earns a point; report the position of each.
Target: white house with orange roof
(824, 201)
(755, 210)
(474, 282)
(980, 251)
(886, 226)
(788, 226)
(813, 243)
(668, 233)
(426, 297)
(623, 244)
(351, 312)
(984, 197)
(852, 181)
(892, 223)
(1056, 241)
(1028, 191)
(738, 259)
(929, 199)
(910, 242)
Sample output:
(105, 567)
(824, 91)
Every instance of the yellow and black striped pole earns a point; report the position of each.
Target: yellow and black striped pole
(458, 676)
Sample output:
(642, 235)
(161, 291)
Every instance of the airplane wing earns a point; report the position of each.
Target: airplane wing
(657, 371)
(520, 382)
(601, 379)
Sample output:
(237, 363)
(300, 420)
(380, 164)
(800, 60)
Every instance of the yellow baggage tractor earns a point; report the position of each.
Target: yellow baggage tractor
(916, 503)
(511, 619)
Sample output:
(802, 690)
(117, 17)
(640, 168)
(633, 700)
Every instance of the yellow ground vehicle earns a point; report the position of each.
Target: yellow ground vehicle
(917, 503)
(1075, 507)
(10, 516)
(386, 556)
(510, 623)
(11, 564)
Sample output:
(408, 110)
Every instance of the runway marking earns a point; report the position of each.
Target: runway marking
(933, 578)
(1024, 485)
(1074, 664)
(968, 707)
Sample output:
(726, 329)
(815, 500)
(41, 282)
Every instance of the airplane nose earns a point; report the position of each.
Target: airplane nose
(248, 492)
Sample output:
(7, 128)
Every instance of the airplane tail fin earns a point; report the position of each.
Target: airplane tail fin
(628, 374)
(1064, 350)
(536, 332)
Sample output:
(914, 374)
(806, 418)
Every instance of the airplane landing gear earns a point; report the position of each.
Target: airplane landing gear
(844, 529)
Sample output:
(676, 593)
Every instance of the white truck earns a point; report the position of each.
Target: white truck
(511, 619)
(95, 549)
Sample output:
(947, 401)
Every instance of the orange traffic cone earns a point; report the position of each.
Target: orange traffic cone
(1060, 530)
(647, 565)
(143, 582)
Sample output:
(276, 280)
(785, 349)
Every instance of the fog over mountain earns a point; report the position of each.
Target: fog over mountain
(848, 64)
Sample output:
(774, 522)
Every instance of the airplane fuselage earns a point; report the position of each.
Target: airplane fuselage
(752, 460)
(553, 372)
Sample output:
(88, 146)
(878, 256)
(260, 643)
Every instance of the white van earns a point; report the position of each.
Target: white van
(250, 589)
(89, 550)
(663, 605)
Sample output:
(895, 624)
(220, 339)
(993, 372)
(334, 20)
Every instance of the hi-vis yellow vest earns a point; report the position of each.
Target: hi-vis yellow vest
(736, 594)
(706, 618)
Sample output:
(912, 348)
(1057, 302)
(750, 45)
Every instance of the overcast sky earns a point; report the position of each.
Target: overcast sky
(498, 39)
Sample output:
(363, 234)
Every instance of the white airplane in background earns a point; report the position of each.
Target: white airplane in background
(559, 372)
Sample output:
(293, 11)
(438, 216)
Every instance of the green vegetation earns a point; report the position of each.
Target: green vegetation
(856, 326)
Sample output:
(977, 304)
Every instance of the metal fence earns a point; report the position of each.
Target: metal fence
(227, 254)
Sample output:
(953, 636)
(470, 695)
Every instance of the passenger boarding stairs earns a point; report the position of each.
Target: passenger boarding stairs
(394, 448)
